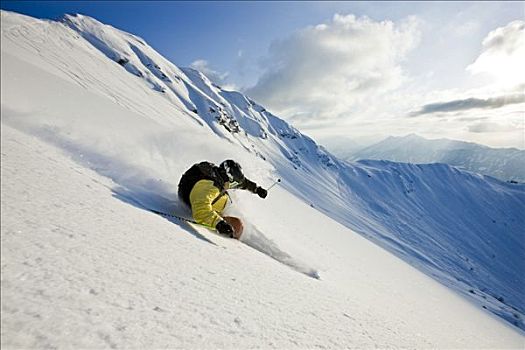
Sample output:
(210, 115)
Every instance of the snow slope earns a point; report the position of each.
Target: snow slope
(84, 268)
(502, 163)
(100, 96)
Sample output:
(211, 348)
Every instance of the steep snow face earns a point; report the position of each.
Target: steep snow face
(503, 163)
(120, 108)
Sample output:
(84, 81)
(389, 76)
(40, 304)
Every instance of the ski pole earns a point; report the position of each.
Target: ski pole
(275, 183)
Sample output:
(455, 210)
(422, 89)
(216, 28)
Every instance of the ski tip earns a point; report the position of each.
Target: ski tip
(313, 274)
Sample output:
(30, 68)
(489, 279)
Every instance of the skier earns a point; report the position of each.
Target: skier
(204, 189)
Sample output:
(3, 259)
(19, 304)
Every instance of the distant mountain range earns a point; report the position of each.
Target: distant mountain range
(506, 164)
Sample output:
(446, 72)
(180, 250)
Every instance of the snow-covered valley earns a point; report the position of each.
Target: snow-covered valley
(97, 126)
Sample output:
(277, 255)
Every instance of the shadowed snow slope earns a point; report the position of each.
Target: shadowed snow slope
(97, 127)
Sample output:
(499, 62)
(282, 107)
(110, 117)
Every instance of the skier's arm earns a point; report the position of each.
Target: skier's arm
(201, 198)
(252, 187)
(249, 185)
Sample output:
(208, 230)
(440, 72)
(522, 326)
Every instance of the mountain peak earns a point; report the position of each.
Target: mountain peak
(79, 18)
(413, 136)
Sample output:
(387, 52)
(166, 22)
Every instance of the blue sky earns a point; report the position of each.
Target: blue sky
(212, 30)
(215, 31)
(404, 55)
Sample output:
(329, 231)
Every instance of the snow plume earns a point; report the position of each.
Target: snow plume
(257, 240)
(254, 238)
(330, 68)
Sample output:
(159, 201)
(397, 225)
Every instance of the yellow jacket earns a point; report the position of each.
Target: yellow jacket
(207, 203)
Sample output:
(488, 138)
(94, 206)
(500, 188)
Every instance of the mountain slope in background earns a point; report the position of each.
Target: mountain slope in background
(119, 108)
(507, 164)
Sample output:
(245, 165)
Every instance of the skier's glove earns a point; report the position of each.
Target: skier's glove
(224, 228)
(261, 192)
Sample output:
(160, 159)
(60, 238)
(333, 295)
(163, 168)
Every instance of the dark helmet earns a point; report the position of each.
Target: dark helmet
(233, 170)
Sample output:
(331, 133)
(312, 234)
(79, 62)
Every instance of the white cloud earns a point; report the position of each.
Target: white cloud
(491, 127)
(330, 69)
(503, 54)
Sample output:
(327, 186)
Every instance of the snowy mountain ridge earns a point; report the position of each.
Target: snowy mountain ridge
(141, 121)
(225, 112)
(507, 164)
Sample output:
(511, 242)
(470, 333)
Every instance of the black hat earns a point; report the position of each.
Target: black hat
(233, 170)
